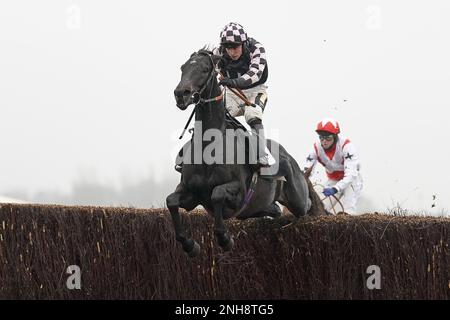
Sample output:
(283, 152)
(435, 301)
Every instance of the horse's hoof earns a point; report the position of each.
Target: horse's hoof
(229, 245)
(194, 251)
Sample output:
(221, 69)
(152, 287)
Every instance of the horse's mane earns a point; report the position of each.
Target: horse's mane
(204, 50)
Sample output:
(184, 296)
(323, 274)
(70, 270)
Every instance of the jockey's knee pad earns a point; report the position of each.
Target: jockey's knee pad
(261, 100)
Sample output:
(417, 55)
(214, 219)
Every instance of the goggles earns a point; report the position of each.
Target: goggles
(231, 45)
(326, 138)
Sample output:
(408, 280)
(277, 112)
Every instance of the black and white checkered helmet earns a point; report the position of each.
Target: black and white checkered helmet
(233, 33)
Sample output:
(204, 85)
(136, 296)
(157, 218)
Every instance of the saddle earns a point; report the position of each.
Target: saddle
(232, 123)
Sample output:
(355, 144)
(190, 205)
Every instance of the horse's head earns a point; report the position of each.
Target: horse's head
(196, 74)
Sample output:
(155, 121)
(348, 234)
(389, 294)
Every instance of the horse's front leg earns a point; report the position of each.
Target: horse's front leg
(220, 195)
(184, 199)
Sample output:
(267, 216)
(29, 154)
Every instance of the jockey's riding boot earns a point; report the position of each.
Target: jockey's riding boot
(263, 161)
(179, 167)
(263, 157)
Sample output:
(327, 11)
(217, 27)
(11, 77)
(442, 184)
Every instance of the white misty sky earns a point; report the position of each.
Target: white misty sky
(86, 87)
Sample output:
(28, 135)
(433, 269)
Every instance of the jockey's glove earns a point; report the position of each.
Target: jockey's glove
(329, 191)
(227, 82)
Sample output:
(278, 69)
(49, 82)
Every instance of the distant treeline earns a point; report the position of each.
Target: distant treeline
(145, 193)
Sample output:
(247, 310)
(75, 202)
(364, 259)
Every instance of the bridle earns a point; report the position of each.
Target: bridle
(197, 95)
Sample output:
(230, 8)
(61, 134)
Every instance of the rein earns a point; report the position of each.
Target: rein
(240, 94)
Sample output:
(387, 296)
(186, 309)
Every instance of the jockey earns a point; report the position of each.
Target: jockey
(341, 161)
(244, 66)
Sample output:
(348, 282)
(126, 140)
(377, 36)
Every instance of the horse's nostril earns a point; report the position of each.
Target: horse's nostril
(182, 93)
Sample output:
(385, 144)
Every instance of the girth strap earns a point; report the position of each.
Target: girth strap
(249, 194)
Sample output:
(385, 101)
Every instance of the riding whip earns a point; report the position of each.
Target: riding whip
(188, 122)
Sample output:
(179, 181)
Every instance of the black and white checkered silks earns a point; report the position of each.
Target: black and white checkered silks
(257, 64)
(233, 33)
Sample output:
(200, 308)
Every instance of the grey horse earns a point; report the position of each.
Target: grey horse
(222, 188)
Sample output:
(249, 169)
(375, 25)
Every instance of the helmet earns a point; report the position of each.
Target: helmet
(328, 125)
(233, 33)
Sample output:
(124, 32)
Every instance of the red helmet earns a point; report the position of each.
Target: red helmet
(328, 125)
